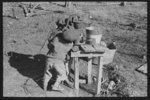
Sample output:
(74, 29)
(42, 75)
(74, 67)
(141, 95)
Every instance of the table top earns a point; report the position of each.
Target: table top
(89, 51)
(86, 54)
(92, 48)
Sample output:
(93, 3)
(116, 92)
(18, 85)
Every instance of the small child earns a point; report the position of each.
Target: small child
(59, 47)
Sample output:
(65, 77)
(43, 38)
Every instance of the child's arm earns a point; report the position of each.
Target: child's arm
(68, 56)
(51, 44)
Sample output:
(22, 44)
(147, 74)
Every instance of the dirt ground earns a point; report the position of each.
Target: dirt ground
(23, 37)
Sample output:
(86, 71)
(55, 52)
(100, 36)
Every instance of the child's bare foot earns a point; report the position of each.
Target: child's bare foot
(57, 88)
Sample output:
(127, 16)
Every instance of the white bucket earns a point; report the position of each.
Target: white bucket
(108, 56)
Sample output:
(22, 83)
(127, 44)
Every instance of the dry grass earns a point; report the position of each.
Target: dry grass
(114, 20)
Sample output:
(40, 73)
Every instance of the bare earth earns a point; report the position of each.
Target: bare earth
(22, 76)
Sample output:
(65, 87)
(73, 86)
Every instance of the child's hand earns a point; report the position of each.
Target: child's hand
(68, 57)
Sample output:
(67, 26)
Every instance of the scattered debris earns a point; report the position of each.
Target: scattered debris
(24, 86)
(111, 85)
(142, 69)
(116, 82)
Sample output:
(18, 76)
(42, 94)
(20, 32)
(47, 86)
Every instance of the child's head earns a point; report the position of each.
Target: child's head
(62, 40)
(71, 35)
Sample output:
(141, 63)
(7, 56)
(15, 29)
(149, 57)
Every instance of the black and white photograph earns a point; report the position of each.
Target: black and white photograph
(75, 49)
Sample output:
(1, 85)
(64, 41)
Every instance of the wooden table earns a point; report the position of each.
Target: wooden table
(78, 54)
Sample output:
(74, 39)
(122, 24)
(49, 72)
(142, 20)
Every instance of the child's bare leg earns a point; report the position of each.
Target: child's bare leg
(60, 68)
(47, 77)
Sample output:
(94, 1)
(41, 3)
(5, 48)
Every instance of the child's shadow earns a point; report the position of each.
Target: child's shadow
(31, 66)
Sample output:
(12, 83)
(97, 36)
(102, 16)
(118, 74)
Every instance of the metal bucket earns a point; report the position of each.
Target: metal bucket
(92, 36)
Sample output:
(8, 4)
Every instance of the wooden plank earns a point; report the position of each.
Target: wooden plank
(82, 54)
(76, 65)
(89, 70)
(142, 69)
(99, 82)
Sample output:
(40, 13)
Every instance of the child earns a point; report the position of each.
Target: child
(59, 47)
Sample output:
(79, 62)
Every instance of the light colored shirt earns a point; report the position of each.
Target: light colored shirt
(60, 48)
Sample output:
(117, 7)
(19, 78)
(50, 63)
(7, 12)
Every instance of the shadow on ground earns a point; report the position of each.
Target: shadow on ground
(31, 66)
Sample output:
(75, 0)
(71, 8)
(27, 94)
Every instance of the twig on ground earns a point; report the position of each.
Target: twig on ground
(25, 88)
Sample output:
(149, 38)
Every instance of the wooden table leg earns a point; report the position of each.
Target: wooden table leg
(76, 65)
(89, 70)
(99, 81)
